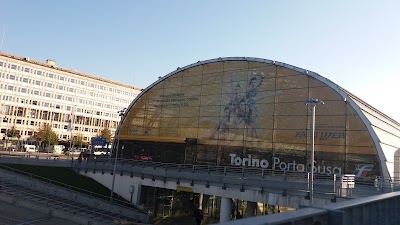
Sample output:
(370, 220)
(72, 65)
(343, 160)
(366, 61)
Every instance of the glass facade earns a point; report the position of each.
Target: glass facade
(247, 113)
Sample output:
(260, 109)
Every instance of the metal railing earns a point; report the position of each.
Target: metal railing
(329, 184)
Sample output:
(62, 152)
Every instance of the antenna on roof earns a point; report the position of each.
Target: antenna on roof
(2, 39)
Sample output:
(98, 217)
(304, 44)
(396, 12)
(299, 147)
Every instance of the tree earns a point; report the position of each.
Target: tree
(46, 135)
(12, 132)
(79, 140)
(105, 133)
(53, 138)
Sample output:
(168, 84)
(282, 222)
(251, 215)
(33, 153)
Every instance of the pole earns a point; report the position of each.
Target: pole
(70, 126)
(51, 120)
(121, 114)
(313, 102)
(312, 155)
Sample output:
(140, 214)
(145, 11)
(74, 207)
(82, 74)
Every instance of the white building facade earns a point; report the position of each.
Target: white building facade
(33, 94)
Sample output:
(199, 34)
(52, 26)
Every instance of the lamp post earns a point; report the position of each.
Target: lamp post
(51, 121)
(313, 102)
(121, 113)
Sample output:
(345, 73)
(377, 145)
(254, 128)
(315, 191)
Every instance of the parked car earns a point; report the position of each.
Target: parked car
(72, 152)
(99, 152)
(30, 148)
(85, 155)
(142, 157)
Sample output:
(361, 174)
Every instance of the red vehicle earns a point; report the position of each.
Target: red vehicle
(84, 155)
(142, 157)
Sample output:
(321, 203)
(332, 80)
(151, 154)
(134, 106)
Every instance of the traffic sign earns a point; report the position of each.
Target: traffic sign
(98, 141)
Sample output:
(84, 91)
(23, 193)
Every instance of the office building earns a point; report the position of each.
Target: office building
(33, 93)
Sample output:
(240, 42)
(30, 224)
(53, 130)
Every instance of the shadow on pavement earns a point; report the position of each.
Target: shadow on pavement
(182, 220)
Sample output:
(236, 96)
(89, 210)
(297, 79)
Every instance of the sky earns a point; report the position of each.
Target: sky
(355, 44)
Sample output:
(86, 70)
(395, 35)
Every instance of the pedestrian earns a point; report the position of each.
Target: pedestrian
(239, 216)
(198, 216)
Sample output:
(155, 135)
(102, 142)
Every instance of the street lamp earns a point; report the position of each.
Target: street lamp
(313, 102)
(51, 120)
(121, 113)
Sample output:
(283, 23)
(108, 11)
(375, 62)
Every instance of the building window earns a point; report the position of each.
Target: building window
(33, 113)
(23, 90)
(50, 85)
(38, 72)
(37, 82)
(51, 75)
(35, 92)
(56, 116)
(10, 88)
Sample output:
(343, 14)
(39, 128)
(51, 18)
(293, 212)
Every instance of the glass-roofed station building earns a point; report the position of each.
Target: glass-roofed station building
(252, 112)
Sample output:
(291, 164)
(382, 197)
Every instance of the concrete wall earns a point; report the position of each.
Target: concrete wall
(124, 183)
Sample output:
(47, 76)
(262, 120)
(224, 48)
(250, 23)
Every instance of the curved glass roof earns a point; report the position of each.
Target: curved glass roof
(251, 106)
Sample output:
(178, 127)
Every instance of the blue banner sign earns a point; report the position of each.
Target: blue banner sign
(99, 141)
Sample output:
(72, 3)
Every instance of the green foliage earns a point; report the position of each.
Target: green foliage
(46, 134)
(105, 133)
(79, 140)
(12, 132)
